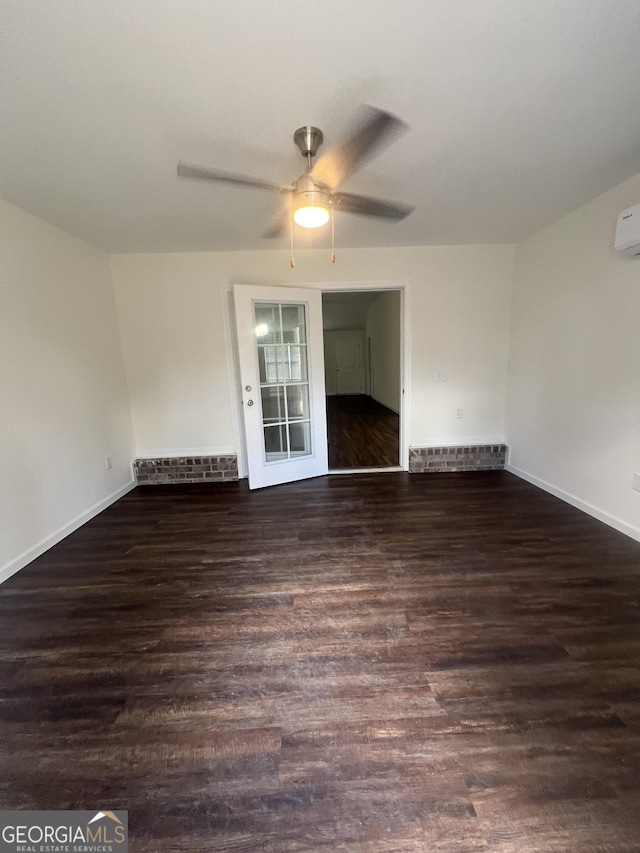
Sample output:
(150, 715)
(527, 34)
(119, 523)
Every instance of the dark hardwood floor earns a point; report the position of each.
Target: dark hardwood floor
(373, 663)
(362, 433)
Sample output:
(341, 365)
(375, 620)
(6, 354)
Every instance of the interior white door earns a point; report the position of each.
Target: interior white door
(348, 366)
(280, 350)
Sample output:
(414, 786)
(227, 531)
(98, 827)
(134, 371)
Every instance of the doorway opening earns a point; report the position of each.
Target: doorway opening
(250, 341)
(362, 335)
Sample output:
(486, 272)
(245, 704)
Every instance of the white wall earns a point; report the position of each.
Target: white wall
(62, 388)
(171, 320)
(573, 413)
(383, 327)
(345, 311)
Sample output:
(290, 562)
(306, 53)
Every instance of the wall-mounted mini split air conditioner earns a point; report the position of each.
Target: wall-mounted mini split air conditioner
(628, 232)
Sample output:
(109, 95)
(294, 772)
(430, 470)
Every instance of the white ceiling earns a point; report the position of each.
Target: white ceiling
(520, 111)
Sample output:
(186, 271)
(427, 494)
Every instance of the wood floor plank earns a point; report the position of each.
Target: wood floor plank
(362, 433)
(375, 663)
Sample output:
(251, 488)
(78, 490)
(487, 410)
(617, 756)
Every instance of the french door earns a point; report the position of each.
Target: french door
(281, 358)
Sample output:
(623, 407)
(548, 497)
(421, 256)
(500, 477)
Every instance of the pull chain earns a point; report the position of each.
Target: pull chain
(333, 239)
(293, 263)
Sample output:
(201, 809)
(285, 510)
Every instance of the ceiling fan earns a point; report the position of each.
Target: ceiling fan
(316, 192)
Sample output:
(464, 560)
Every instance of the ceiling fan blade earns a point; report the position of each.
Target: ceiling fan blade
(279, 225)
(376, 130)
(191, 170)
(368, 206)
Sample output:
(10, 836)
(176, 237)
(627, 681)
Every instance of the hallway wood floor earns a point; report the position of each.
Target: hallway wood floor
(362, 433)
(375, 663)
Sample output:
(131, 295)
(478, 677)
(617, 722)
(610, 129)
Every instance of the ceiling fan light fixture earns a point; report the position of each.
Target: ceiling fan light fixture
(312, 197)
(310, 203)
(311, 216)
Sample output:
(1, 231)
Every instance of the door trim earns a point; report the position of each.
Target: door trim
(233, 373)
(402, 285)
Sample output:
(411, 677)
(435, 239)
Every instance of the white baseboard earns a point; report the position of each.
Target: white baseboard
(61, 533)
(601, 514)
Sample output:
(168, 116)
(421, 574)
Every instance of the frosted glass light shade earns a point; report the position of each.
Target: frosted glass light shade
(311, 216)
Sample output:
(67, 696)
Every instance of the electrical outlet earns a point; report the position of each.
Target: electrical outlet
(458, 413)
(108, 464)
(441, 376)
(636, 482)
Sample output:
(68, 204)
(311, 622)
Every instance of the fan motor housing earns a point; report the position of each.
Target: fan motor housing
(309, 192)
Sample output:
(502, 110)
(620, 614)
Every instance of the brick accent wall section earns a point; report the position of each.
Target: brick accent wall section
(477, 457)
(186, 469)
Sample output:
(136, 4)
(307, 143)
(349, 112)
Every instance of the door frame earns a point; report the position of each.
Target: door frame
(235, 385)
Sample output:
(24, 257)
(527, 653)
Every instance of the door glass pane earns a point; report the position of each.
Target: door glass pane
(300, 439)
(295, 363)
(275, 443)
(273, 410)
(298, 402)
(293, 325)
(267, 327)
(281, 341)
(271, 364)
